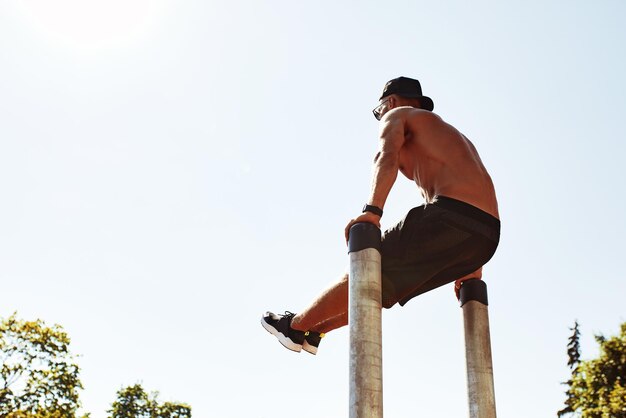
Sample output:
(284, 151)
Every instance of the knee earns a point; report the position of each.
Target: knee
(344, 279)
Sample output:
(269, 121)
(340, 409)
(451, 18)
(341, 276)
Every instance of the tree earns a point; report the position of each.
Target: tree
(134, 402)
(597, 388)
(573, 354)
(39, 378)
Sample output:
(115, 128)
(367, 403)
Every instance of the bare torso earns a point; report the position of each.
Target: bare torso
(442, 161)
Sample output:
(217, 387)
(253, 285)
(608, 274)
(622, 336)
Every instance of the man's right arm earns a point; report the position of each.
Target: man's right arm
(386, 165)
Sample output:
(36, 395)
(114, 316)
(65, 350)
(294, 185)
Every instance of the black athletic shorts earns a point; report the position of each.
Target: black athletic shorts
(433, 245)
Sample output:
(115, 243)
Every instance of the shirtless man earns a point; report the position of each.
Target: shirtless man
(447, 239)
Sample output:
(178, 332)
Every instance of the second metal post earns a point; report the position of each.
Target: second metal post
(480, 387)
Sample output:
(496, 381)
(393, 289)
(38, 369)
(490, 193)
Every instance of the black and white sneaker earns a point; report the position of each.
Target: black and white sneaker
(312, 341)
(280, 327)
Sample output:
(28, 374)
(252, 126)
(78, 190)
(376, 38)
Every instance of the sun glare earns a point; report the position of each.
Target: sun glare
(93, 24)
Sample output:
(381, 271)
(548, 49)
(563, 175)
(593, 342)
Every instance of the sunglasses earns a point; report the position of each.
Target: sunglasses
(377, 111)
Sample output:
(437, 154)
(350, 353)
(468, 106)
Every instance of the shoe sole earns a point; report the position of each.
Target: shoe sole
(285, 341)
(309, 348)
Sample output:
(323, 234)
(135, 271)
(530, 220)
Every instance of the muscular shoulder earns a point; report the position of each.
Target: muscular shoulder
(408, 117)
(410, 114)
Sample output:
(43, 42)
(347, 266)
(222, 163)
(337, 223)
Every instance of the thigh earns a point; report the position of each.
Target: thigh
(423, 247)
(423, 237)
(469, 257)
(394, 239)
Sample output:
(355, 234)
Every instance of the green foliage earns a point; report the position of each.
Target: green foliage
(38, 378)
(22, 414)
(134, 402)
(573, 354)
(597, 388)
(573, 347)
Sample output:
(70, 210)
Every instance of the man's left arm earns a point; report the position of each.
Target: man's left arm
(386, 165)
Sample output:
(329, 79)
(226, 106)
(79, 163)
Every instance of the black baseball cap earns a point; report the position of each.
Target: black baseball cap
(410, 88)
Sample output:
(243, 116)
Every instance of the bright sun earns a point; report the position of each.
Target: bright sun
(93, 24)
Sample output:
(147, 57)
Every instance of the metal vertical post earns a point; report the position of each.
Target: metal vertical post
(480, 387)
(364, 319)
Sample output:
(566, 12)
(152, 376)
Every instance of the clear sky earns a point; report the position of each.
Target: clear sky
(171, 170)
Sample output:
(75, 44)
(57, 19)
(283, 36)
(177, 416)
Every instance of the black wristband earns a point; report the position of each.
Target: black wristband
(374, 209)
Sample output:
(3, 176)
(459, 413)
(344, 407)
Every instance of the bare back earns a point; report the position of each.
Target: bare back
(442, 161)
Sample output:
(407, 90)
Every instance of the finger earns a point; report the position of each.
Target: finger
(347, 231)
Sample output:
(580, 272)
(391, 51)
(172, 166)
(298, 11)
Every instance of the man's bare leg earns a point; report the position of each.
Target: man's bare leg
(328, 311)
(478, 274)
(331, 324)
